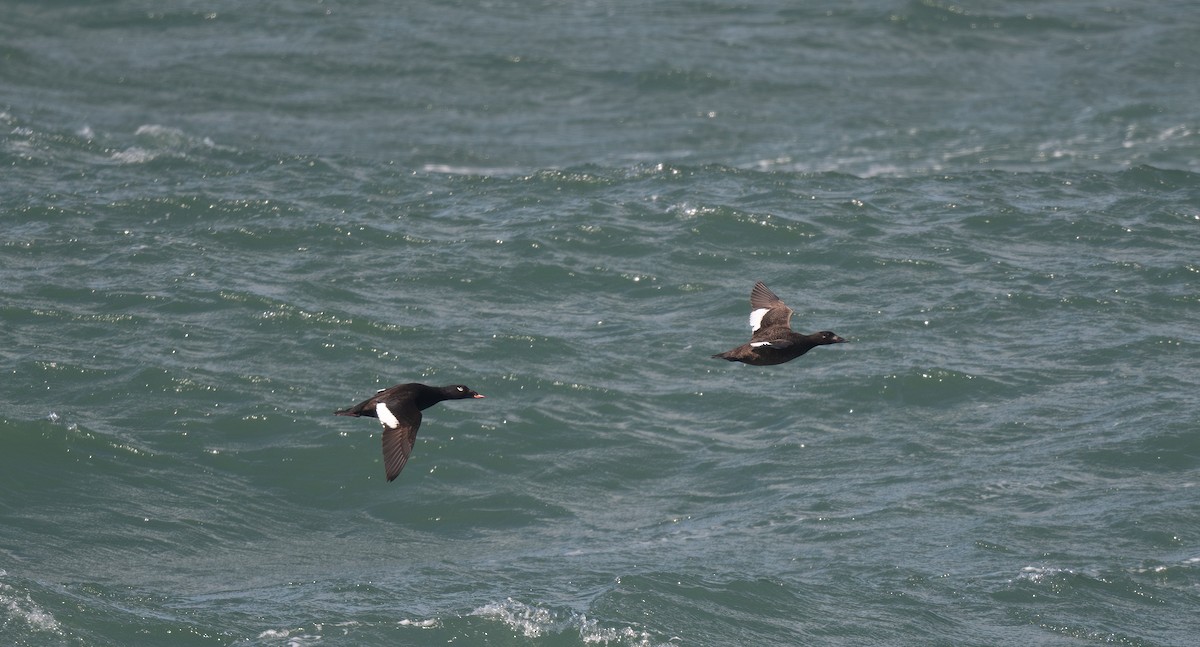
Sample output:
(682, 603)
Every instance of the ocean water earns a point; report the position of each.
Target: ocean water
(221, 221)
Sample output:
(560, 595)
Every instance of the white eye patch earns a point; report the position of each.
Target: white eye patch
(386, 416)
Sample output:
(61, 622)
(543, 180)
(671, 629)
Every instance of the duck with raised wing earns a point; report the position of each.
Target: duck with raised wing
(772, 340)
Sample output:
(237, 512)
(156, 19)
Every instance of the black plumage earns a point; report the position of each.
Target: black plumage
(772, 340)
(399, 411)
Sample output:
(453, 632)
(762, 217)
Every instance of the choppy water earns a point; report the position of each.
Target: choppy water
(221, 223)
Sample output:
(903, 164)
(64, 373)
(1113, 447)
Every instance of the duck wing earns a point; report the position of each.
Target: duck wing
(400, 425)
(768, 314)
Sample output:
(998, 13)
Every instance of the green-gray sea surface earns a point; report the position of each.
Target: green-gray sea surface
(219, 222)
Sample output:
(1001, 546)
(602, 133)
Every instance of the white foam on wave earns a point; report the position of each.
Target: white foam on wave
(483, 171)
(21, 607)
(1037, 574)
(532, 621)
(156, 140)
(300, 640)
(162, 134)
(529, 621)
(423, 624)
(1186, 564)
(133, 155)
(316, 632)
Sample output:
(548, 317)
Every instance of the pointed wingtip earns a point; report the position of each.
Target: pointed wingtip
(761, 296)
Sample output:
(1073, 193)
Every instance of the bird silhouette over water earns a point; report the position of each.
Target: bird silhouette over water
(772, 340)
(399, 411)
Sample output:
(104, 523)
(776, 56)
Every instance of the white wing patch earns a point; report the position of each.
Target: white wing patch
(386, 416)
(756, 318)
(774, 343)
